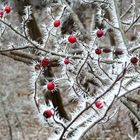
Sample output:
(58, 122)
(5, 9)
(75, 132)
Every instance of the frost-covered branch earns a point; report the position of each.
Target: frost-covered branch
(129, 106)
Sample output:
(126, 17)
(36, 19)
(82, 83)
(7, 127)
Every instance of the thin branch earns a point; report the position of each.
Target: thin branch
(43, 50)
(103, 70)
(94, 1)
(18, 33)
(127, 92)
(129, 106)
(17, 58)
(129, 8)
(77, 21)
(121, 75)
(77, 80)
(56, 120)
(134, 49)
(13, 49)
(35, 91)
(132, 24)
(105, 114)
(96, 76)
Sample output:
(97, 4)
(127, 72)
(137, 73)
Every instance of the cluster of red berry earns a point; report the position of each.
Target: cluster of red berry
(98, 51)
(71, 39)
(44, 63)
(7, 10)
(99, 34)
(48, 113)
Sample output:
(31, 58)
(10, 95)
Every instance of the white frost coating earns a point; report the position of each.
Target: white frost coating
(108, 100)
(135, 85)
(121, 42)
(132, 138)
(118, 32)
(90, 117)
(28, 12)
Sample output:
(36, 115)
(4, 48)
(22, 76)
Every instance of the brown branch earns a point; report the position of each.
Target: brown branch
(14, 49)
(103, 70)
(17, 58)
(43, 50)
(24, 54)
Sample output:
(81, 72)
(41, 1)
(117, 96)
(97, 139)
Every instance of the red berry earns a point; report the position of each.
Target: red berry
(7, 9)
(1, 13)
(47, 114)
(51, 86)
(118, 51)
(134, 60)
(106, 50)
(56, 23)
(45, 62)
(99, 104)
(98, 51)
(66, 61)
(72, 39)
(100, 33)
(37, 67)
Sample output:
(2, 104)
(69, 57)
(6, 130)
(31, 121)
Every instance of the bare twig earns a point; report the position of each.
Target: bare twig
(77, 80)
(35, 90)
(132, 24)
(17, 58)
(129, 8)
(129, 106)
(18, 33)
(103, 70)
(119, 77)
